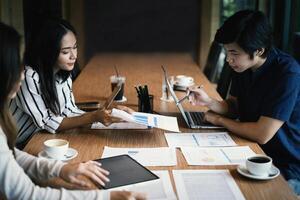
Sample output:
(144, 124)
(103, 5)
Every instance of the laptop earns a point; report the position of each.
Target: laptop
(194, 120)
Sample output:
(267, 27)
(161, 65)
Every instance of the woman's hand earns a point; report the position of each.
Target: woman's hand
(92, 170)
(198, 96)
(213, 118)
(104, 116)
(126, 109)
(126, 195)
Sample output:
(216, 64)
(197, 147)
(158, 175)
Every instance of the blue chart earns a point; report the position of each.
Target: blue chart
(146, 120)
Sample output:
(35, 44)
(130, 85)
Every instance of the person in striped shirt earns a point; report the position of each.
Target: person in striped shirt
(19, 169)
(45, 100)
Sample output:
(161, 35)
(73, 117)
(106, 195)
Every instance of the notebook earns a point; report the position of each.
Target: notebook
(124, 170)
(194, 120)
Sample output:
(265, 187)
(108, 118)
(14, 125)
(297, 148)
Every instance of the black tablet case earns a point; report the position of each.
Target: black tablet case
(124, 170)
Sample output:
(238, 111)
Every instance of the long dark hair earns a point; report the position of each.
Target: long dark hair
(42, 55)
(10, 71)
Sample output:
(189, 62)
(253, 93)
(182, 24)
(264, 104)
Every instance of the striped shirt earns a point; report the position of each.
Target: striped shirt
(30, 111)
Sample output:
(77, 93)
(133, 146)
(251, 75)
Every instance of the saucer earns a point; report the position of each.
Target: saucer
(273, 173)
(121, 100)
(71, 153)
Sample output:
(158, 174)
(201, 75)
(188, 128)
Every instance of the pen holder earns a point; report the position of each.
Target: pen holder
(146, 104)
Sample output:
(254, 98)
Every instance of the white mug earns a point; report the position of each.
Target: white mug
(259, 165)
(184, 80)
(56, 148)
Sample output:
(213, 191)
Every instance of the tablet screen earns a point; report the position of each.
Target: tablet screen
(124, 171)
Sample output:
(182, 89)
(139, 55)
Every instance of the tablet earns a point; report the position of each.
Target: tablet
(124, 170)
(94, 105)
(114, 93)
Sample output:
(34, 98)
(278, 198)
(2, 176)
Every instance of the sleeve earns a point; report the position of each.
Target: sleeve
(280, 102)
(15, 184)
(71, 110)
(32, 102)
(38, 168)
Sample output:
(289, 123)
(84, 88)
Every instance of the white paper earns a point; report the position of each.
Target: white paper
(163, 156)
(157, 121)
(206, 185)
(199, 139)
(119, 125)
(160, 189)
(217, 155)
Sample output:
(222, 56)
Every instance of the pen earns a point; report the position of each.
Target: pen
(184, 98)
(187, 95)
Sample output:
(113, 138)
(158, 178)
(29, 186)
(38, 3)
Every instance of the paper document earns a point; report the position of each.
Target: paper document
(153, 120)
(163, 156)
(199, 139)
(160, 189)
(206, 185)
(119, 125)
(217, 155)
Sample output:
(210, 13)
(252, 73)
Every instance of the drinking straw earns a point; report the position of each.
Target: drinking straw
(117, 72)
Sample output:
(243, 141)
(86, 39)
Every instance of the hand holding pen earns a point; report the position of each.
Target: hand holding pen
(187, 96)
(197, 96)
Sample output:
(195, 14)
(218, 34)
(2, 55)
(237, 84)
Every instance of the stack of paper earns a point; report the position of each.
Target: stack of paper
(199, 139)
(217, 156)
(146, 119)
(163, 156)
(160, 189)
(119, 125)
(206, 185)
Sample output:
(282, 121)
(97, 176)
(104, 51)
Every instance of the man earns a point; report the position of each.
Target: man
(265, 92)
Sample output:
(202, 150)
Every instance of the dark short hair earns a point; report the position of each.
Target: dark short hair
(251, 30)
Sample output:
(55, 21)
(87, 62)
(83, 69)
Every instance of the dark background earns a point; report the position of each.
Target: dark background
(142, 26)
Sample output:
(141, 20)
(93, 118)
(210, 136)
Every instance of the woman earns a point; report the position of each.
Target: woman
(45, 100)
(18, 168)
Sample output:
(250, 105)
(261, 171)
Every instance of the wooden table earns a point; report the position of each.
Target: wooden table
(93, 84)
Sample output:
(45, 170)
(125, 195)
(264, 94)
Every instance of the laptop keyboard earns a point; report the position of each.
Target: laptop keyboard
(198, 117)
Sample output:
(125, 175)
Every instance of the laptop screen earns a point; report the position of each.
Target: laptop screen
(179, 106)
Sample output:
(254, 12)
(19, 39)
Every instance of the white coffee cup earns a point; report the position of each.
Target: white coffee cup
(259, 165)
(56, 148)
(184, 80)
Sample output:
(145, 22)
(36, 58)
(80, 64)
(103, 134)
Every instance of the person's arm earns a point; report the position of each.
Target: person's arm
(29, 98)
(261, 131)
(225, 107)
(100, 115)
(15, 184)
